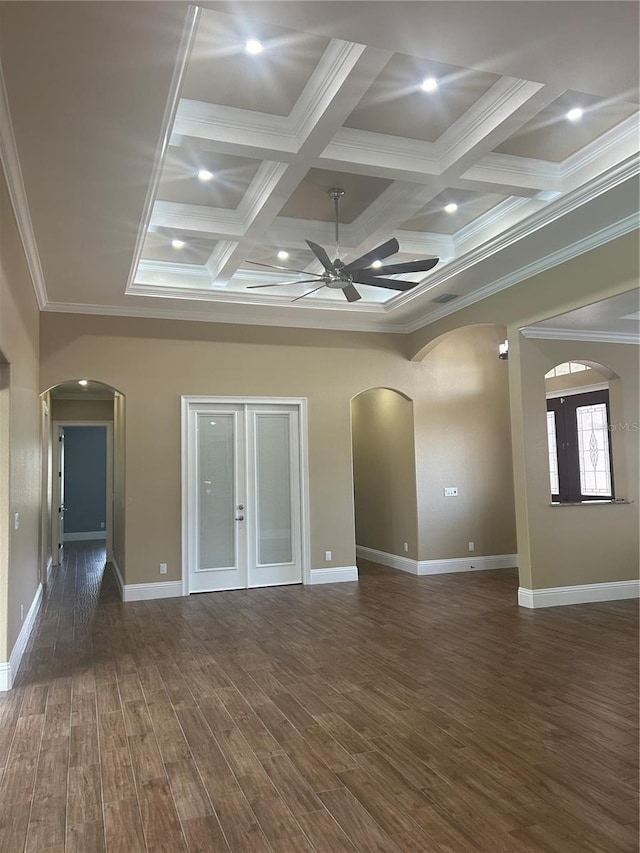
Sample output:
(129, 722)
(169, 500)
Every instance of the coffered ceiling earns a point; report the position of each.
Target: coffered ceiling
(113, 109)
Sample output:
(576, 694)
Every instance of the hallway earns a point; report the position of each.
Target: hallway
(396, 714)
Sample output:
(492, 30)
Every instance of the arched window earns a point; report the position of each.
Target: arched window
(578, 424)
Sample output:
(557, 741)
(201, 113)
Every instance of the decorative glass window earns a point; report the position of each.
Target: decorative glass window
(565, 368)
(593, 450)
(580, 467)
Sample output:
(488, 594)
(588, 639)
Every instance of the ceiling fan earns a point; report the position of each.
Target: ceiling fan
(341, 276)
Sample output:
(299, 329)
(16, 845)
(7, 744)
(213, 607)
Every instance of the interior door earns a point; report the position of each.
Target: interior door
(244, 517)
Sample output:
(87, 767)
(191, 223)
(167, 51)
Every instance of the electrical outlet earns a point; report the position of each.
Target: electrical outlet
(451, 491)
(472, 546)
(406, 546)
(16, 520)
(327, 555)
(163, 568)
(102, 525)
(22, 612)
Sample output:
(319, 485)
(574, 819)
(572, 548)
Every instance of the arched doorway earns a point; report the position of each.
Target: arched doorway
(83, 470)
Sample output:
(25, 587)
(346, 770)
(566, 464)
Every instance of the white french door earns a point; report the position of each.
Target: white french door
(243, 516)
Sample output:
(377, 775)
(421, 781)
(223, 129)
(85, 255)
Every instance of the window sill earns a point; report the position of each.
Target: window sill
(618, 501)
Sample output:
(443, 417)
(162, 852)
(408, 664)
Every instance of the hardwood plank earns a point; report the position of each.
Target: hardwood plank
(356, 822)
(123, 827)
(117, 775)
(160, 823)
(291, 712)
(325, 834)
(240, 826)
(188, 792)
(14, 819)
(204, 835)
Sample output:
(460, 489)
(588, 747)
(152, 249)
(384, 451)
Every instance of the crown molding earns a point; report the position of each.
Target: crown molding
(338, 322)
(567, 253)
(18, 195)
(541, 332)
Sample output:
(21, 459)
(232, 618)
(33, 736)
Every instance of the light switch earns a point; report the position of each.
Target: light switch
(451, 491)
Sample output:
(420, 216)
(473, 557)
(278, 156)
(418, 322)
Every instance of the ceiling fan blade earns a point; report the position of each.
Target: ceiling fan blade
(351, 293)
(410, 266)
(313, 290)
(382, 251)
(284, 269)
(280, 283)
(321, 255)
(365, 277)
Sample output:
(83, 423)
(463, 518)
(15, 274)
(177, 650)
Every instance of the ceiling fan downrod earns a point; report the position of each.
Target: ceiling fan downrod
(336, 193)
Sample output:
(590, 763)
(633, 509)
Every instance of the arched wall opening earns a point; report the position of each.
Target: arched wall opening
(574, 551)
(433, 475)
(384, 474)
(87, 417)
(466, 505)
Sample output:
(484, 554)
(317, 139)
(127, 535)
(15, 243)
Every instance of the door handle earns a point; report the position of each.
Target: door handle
(240, 518)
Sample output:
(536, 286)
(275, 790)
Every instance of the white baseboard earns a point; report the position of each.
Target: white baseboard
(339, 574)
(9, 669)
(149, 591)
(585, 593)
(438, 567)
(82, 537)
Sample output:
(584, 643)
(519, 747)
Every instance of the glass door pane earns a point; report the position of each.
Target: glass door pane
(216, 491)
(273, 489)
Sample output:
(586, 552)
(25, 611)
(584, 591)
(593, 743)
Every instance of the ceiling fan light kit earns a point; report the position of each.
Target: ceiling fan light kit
(340, 276)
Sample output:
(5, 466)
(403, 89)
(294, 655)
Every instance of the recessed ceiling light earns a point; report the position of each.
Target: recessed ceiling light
(429, 84)
(177, 244)
(451, 208)
(283, 255)
(376, 264)
(205, 175)
(253, 46)
(575, 114)
(83, 381)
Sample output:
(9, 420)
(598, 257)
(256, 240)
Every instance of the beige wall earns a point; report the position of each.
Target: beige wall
(384, 472)
(463, 439)
(568, 545)
(154, 362)
(82, 410)
(20, 554)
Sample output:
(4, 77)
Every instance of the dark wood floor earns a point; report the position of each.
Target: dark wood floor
(396, 714)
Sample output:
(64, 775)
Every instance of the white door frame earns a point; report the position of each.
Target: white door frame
(191, 402)
(56, 492)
